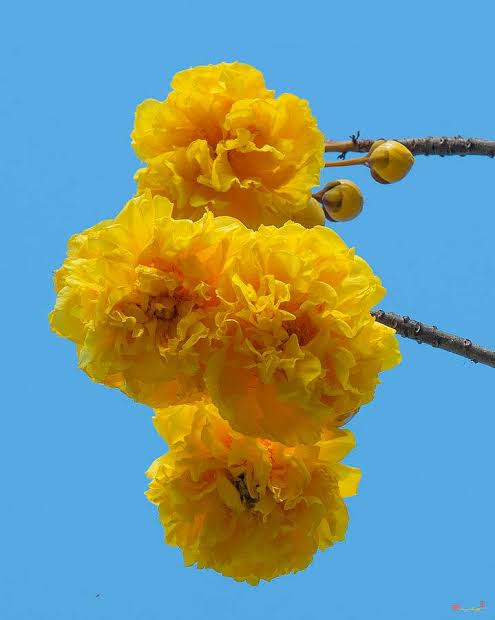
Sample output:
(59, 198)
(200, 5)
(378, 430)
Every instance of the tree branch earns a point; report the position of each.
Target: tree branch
(433, 336)
(441, 145)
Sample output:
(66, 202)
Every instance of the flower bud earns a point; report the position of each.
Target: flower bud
(343, 200)
(311, 215)
(389, 161)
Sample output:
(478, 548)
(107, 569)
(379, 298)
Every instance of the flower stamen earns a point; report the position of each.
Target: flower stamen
(242, 489)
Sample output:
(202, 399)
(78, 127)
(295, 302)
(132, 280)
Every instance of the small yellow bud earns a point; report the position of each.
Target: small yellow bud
(343, 200)
(311, 215)
(389, 161)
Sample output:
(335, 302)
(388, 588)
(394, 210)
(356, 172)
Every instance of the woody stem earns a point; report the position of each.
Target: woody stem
(439, 145)
(430, 334)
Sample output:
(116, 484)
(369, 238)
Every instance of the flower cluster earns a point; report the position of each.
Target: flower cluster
(249, 508)
(216, 297)
(275, 324)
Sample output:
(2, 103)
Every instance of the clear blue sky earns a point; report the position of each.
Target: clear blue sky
(74, 522)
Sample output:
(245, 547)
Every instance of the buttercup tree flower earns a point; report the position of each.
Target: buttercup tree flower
(222, 141)
(300, 350)
(249, 508)
(137, 295)
(217, 297)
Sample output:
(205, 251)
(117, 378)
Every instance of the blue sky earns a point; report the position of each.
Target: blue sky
(74, 522)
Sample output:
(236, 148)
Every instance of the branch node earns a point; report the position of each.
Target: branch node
(355, 137)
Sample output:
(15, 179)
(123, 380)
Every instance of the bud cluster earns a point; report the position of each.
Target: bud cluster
(389, 161)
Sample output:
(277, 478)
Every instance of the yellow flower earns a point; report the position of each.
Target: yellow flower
(222, 141)
(137, 296)
(249, 508)
(300, 350)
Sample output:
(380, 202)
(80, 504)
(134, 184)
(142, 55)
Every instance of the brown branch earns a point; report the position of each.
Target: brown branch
(441, 145)
(433, 336)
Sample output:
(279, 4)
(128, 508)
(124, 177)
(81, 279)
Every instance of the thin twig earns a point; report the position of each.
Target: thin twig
(440, 145)
(433, 336)
(347, 162)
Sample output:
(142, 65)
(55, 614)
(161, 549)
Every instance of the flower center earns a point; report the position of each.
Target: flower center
(162, 308)
(149, 307)
(242, 489)
(303, 327)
